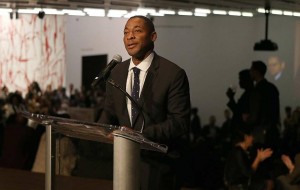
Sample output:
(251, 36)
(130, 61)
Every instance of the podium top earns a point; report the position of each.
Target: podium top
(93, 131)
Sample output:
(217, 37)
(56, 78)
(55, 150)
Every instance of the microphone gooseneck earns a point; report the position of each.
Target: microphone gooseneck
(114, 84)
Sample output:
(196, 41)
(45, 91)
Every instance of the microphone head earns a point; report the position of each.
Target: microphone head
(117, 58)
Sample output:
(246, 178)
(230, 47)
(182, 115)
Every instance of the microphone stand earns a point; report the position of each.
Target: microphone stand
(114, 84)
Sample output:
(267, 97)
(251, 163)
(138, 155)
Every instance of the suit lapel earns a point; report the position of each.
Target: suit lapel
(150, 78)
(146, 91)
(123, 80)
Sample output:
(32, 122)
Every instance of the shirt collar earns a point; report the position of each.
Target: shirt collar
(277, 76)
(144, 65)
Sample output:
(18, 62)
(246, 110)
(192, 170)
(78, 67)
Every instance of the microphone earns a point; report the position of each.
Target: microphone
(104, 74)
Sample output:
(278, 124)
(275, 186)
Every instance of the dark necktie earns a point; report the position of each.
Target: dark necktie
(135, 93)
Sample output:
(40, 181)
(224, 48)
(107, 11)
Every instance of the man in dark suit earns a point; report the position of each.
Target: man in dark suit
(163, 94)
(264, 109)
(264, 117)
(241, 108)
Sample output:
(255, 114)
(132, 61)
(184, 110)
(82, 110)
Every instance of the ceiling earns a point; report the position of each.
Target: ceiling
(242, 5)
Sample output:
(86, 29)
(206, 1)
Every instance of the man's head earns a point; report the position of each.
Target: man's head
(194, 110)
(244, 135)
(275, 65)
(139, 37)
(245, 80)
(258, 70)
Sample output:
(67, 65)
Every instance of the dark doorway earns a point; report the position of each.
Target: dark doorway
(91, 67)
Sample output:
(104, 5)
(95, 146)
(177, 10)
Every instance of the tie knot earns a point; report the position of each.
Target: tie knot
(136, 70)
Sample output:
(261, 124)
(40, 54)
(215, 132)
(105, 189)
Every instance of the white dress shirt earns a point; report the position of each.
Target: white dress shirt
(143, 66)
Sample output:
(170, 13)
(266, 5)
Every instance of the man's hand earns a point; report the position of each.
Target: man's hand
(263, 154)
(288, 162)
(230, 93)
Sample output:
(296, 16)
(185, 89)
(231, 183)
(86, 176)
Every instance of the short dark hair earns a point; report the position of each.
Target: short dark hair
(244, 129)
(259, 66)
(245, 74)
(147, 20)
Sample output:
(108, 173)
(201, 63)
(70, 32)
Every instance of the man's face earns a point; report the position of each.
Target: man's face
(249, 140)
(275, 66)
(137, 38)
(253, 73)
(242, 82)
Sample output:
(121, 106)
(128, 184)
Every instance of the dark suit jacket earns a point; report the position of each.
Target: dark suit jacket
(242, 106)
(265, 98)
(165, 101)
(265, 113)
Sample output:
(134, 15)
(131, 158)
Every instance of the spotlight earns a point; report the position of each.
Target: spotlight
(14, 13)
(41, 14)
(265, 45)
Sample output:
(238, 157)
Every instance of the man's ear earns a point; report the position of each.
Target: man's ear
(153, 36)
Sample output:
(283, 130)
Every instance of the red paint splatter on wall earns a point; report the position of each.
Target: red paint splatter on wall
(32, 49)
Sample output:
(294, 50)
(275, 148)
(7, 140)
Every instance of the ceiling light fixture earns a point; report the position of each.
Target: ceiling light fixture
(185, 13)
(200, 10)
(95, 12)
(52, 12)
(146, 10)
(288, 13)
(247, 14)
(28, 11)
(234, 13)
(5, 11)
(167, 12)
(73, 12)
(296, 14)
(261, 10)
(200, 14)
(132, 13)
(116, 13)
(157, 14)
(276, 12)
(219, 12)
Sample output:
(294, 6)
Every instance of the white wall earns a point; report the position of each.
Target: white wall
(91, 36)
(212, 50)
